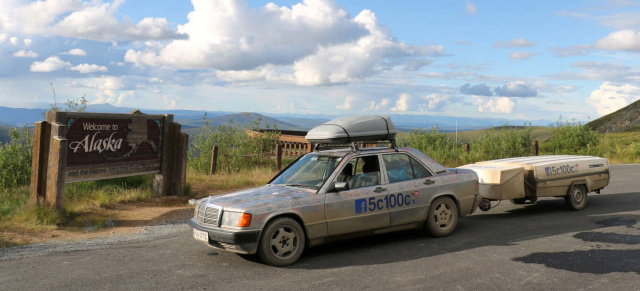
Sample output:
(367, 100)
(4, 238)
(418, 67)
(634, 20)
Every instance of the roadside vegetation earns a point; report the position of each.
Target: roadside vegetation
(562, 138)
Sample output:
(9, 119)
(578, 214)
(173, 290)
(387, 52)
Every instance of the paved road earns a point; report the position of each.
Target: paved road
(526, 247)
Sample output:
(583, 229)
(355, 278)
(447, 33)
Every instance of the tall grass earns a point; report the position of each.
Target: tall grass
(238, 149)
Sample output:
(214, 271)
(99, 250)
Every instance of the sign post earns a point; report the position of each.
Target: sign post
(73, 147)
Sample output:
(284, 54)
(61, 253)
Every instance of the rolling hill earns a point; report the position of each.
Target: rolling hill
(623, 120)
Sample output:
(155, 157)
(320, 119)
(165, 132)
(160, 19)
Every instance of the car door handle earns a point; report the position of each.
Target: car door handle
(428, 182)
(380, 189)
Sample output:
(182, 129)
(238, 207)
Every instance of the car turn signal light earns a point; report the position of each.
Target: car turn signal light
(245, 220)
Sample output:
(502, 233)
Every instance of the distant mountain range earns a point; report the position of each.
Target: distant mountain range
(192, 120)
(625, 119)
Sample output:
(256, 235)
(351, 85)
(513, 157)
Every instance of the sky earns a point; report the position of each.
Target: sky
(525, 59)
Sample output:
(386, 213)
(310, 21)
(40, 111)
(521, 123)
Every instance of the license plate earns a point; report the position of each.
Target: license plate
(201, 235)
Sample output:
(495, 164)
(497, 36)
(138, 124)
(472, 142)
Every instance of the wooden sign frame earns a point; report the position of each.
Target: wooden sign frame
(71, 147)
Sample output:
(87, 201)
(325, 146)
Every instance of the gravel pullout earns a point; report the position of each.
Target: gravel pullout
(148, 233)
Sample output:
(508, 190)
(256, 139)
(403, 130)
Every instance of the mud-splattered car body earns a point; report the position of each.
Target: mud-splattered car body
(361, 192)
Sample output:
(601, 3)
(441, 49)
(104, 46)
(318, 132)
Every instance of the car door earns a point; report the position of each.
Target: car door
(410, 186)
(362, 206)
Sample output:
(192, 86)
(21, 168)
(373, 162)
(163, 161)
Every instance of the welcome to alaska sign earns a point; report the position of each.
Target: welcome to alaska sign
(76, 146)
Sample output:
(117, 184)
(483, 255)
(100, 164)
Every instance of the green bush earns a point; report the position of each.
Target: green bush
(15, 159)
(495, 143)
(433, 143)
(575, 138)
(499, 144)
(238, 148)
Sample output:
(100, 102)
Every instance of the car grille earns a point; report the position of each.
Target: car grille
(209, 214)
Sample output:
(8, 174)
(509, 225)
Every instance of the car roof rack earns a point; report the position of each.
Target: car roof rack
(353, 146)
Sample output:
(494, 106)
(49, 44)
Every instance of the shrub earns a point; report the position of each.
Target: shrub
(15, 159)
(238, 148)
(575, 138)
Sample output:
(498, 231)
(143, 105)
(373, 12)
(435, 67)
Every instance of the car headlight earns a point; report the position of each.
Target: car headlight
(236, 219)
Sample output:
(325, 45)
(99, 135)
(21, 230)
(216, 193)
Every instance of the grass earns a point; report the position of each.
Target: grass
(539, 133)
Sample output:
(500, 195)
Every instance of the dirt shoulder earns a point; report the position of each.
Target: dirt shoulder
(119, 219)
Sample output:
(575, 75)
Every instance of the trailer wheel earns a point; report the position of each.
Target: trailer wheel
(577, 198)
(519, 201)
(442, 218)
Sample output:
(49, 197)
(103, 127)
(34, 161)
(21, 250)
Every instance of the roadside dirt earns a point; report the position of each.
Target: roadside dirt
(119, 219)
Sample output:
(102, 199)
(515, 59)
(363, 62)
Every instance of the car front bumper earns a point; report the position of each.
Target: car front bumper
(237, 241)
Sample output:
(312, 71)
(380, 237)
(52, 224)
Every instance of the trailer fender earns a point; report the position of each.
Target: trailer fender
(579, 182)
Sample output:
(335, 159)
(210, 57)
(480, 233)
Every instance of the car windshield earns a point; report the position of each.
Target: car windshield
(308, 172)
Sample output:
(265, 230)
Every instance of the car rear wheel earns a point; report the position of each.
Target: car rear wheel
(577, 198)
(442, 218)
(282, 242)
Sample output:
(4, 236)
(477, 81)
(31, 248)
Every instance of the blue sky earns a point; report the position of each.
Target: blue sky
(509, 59)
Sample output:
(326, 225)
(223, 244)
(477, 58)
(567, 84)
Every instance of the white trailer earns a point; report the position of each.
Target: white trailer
(525, 179)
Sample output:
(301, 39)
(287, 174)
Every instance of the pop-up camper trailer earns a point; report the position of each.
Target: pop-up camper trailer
(528, 178)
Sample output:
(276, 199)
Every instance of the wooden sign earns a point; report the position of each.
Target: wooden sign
(76, 146)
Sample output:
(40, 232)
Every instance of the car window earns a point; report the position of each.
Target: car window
(310, 171)
(419, 170)
(366, 172)
(398, 167)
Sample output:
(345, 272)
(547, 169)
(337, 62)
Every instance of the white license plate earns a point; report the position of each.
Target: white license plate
(201, 235)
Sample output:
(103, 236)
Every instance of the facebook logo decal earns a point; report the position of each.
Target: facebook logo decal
(361, 206)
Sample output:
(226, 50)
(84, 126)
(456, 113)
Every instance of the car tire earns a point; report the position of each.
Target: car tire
(519, 201)
(442, 218)
(282, 242)
(577, 197)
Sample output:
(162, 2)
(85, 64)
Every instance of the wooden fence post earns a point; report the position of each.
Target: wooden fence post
(214, 160)
(466, 148)
(279, 157)
(535, 147)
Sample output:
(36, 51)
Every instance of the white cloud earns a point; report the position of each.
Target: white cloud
(76, 52)
(27, 41)
(519, 42)
(436, 101)
(572, 51)
(600, 71)
(312, 43)
(623, 40)
(3, 37)
(417, 64)
(13, 40)
(49, 65)
(520, 55)
(25, 54)
(470, 8)
(494, 105)
(88, 68)
(110, 83)
(405, 103)
(347, 103)
(516, 89)
(93, 20)
(383, 105)
(610, 97)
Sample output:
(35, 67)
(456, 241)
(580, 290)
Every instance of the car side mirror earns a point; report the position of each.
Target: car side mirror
(340, 186)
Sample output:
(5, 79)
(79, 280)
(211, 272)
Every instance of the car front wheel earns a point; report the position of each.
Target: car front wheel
(282, 242)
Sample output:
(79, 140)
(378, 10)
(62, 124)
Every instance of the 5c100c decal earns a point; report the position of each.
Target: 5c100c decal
(562, 170)
(389, 201)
